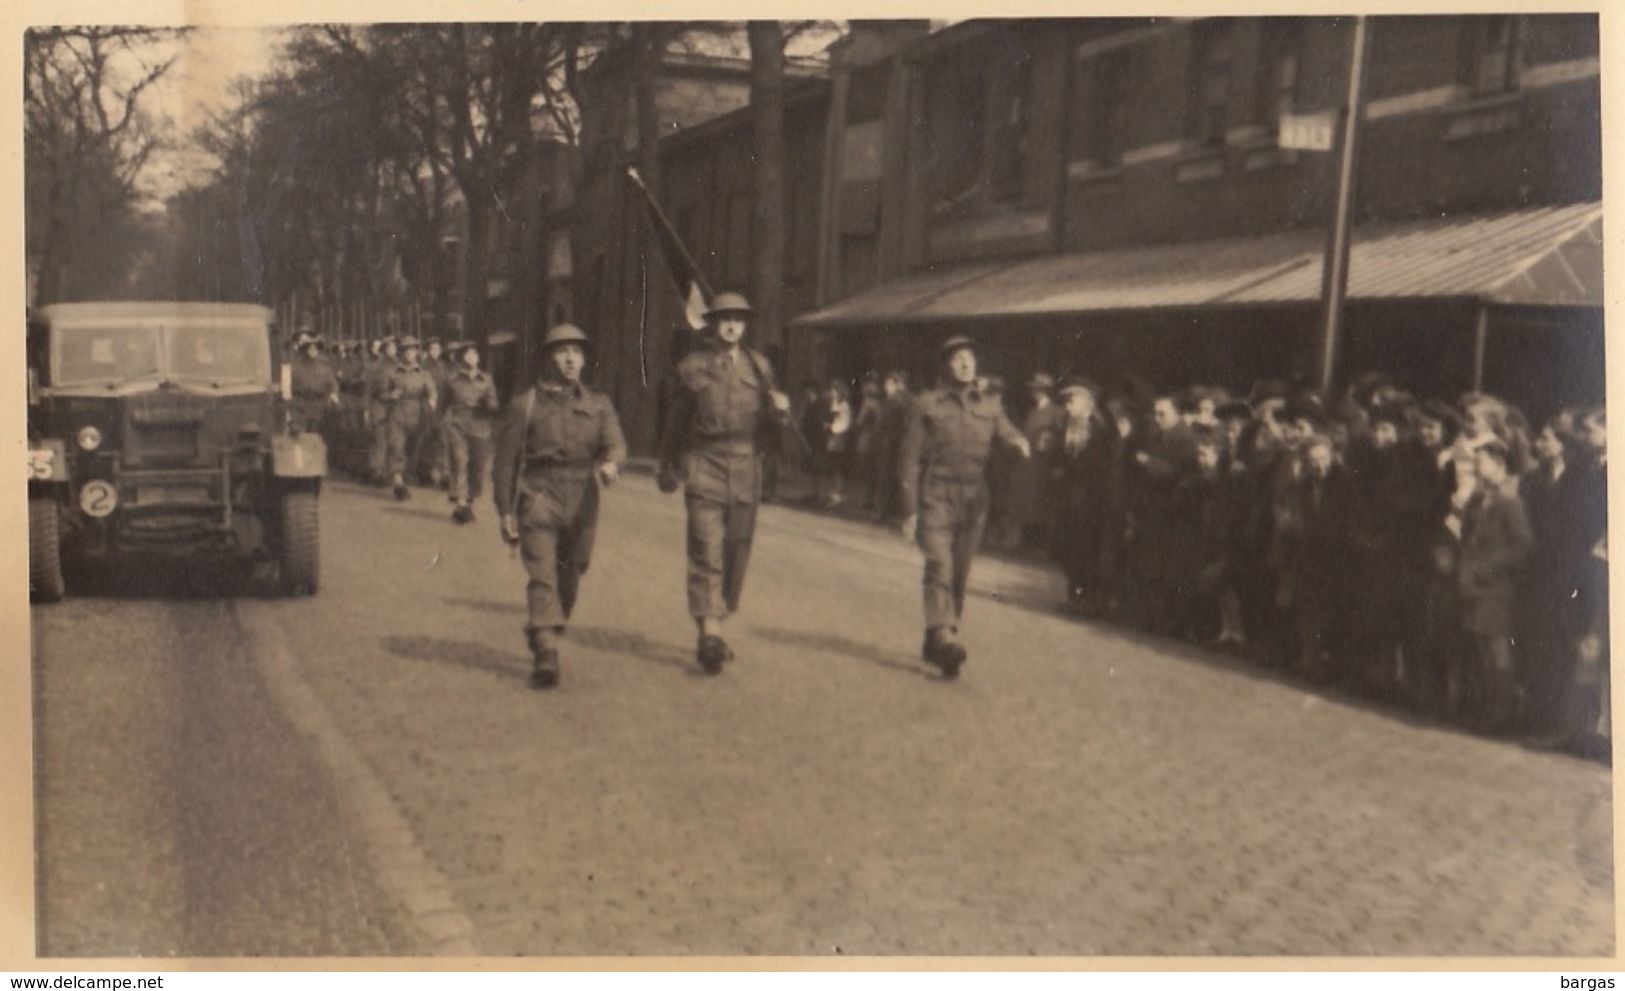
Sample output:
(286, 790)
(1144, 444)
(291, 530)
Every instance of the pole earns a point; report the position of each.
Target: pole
(1335, 272)
(1481, 339)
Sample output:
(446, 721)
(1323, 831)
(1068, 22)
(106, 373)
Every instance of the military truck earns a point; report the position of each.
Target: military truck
(163, 429)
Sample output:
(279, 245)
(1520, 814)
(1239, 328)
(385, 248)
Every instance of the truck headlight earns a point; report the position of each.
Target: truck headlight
(89, 439)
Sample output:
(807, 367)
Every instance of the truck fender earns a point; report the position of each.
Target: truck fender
(302, 456)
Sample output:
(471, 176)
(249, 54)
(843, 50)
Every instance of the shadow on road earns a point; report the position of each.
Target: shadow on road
(170, 579)
(829, 643)
(488, 606)
(511, 665)
(634, 645)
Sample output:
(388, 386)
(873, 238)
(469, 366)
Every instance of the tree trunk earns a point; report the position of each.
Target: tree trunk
(475, 266)
(767, 212)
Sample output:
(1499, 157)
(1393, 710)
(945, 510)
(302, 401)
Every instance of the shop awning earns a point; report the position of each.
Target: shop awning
(1549, 256)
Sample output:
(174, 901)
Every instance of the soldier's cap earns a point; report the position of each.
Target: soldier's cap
(456, 348)
(1235, 409)
(728, 302)
(1043, 381)
(1307, 408)
(1388, 413)
(408, 342)
(305, 338)
(1075, 384)
(431, 339)
(955, 343)
(565, 333)
(1266, 390)
(1440, 411)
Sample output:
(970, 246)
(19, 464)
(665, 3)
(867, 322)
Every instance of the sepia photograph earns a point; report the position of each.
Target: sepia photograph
(1073, 487)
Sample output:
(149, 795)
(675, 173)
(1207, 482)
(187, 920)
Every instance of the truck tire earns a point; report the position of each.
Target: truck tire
(299, 556)
(45, 581)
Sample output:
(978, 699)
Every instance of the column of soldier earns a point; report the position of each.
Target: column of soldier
(1448, 557)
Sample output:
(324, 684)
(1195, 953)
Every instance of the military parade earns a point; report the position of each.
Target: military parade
(945, 502)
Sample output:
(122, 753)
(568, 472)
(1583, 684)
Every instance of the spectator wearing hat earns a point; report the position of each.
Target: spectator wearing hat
(1314, 514)
(559, 442)
(471, 401)
(1546, 628)
(725, 410)
(1027, 503)
(832, 444)
(894, 403)
(942, 483)
(1164, 454)
(1496, 540)
(412, 399)
(1079, 455)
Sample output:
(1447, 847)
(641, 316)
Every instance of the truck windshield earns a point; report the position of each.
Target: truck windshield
(218, 354)
(232, 353)
(105, 354)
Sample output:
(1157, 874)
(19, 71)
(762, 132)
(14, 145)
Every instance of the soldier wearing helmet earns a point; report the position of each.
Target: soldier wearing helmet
(942, 483)
(558, 443)
(412, 396)
(724, 412)
(376, 411)
(315, 384)
(470, 401)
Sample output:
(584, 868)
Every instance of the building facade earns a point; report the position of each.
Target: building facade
(1111, 196)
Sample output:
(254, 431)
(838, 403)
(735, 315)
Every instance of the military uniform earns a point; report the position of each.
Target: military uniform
(942, 481)
(412, 395)
(376, 388)
(552, 442)
(433, 457)
(315, 389)
(717, 416)
(471, 397)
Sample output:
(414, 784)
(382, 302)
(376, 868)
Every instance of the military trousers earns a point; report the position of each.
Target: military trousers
(469, 452)
(558, 519)
(719, 538)
(953, 516)
(405, 423)
(378, 424)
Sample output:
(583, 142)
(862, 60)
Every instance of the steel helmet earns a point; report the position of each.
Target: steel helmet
(565, 333)
(729, 302)
(954, 343)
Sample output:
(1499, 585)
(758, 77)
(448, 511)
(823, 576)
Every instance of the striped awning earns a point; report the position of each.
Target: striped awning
(1549, 256)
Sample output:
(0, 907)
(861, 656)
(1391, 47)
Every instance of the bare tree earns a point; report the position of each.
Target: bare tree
(86, 139)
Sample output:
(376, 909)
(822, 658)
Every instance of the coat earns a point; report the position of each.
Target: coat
(1496, 540)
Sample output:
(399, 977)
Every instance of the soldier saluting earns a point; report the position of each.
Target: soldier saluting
(942, 485)
(723, 408)
(559, 441)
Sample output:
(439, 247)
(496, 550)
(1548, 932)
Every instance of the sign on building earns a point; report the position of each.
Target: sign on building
(1309, 132)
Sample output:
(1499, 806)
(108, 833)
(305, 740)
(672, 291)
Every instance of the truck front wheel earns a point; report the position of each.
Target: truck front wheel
(299, 556)
(45, 580)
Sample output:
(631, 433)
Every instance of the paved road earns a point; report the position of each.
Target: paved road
(1078, 791)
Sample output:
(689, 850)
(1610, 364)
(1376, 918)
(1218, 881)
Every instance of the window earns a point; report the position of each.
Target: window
(977, 116)
(1489, 62)
(1103, 89)
(866, 97)
(1010, 102)
(1280, 67)
(1213, 65)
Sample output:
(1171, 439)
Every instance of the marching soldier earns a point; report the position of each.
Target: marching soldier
(942, 485)
(315, 385)
(380, 365)
(471, 399)
(433, 460)
(412, 398)
(724, 406)
(558, 443)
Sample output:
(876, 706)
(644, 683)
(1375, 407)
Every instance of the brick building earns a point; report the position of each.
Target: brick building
(1109, 195)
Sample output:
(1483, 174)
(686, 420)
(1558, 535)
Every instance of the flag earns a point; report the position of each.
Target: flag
(691, 285)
